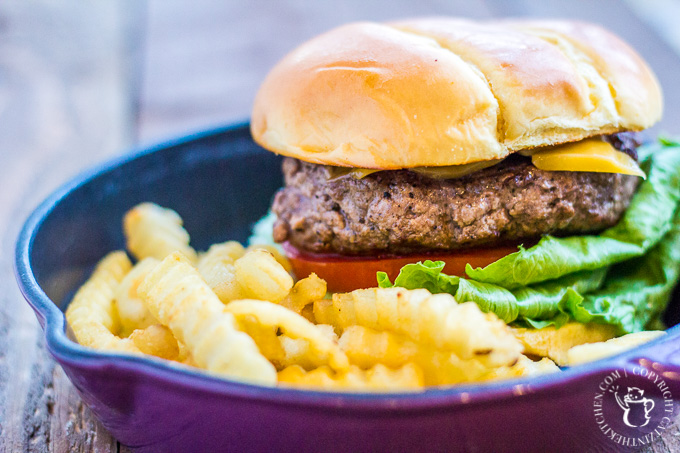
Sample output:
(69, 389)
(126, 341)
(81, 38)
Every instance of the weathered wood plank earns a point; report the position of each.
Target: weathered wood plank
(64, 84)
(72, 425)
(205, 60)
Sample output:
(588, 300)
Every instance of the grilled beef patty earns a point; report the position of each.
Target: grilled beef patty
(402, 212)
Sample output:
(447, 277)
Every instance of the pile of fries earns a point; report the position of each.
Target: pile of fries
(238, 313)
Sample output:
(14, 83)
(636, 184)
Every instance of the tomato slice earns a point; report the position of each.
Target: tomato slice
(347, 273)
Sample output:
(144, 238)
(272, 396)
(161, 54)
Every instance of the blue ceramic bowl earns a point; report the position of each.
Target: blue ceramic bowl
(221, 182)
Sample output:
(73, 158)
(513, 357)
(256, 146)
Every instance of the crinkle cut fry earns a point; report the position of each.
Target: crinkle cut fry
(154, 231)
(589, 352)
(131, 310)
(523, 368)
(234, 273)
(216, 266)
(555, 343)
(177, 296)
(275, 251)
(293, 325)
(376, 379)
(297, 351)
(305, 292)
(91, 313)
(436, 320)
(262, 276)
(366, 347)
(156, 340)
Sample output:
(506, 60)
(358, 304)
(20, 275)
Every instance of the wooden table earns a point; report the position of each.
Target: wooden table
(83, 81)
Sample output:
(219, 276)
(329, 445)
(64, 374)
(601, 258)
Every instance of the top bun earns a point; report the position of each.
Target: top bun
(441, 91)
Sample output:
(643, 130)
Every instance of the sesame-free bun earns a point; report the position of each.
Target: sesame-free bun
(443, 91)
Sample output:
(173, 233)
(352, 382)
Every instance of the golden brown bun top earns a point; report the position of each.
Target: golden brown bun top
(443, 91)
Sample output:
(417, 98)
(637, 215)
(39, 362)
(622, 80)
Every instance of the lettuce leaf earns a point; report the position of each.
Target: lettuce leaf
(637, 291)
(545, 304)
(645, 222)
(623, 276)
(429, 275)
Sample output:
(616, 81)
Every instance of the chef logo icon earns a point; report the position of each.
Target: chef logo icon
(640, 398)
(636, 408)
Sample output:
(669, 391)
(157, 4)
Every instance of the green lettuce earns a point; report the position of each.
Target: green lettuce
(623, 277)
(429, 275)
(637, 291)
(540, 305)
(647, 219)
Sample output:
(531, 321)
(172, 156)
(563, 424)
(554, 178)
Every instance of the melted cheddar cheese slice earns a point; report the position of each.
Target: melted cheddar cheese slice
(587, 155)
(590, 155)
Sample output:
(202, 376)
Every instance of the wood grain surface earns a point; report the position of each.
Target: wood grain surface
(83, 81)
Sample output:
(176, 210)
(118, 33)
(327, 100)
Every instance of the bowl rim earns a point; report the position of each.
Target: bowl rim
(70, 353)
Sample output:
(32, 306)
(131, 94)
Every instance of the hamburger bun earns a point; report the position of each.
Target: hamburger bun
(440, 92)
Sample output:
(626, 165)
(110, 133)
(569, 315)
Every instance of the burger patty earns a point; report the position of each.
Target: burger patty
(402, 212)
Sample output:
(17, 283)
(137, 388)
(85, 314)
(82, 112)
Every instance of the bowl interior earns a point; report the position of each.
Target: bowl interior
(220, 183)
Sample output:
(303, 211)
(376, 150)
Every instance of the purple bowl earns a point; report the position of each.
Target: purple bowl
(220, 181)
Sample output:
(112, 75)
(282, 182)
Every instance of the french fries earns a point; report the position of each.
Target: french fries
(178, 297)
(224, 252)
(366, 348)
(217, 268)
(233, 274)
(377, 379)
(156, 340)
(295, 326)
(262, 277)
(524, 367)
(594, 351)
(554, 343)
(153, 231)
(91, 313)
(237, 312)
(132, 311)
(274, 251)
(434, 320)
(305, 292)
(284, 351)
(265, 337)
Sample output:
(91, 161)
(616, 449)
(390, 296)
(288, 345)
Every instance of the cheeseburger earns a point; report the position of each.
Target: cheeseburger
(452, 140)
